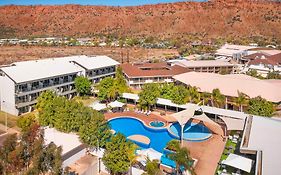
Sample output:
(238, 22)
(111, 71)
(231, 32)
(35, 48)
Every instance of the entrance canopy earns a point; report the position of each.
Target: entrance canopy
(232, 123)
(185, 115)
(116, 104)
(98, 106)
(239, 162)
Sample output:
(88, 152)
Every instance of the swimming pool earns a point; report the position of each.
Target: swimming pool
(130, 126)
(157, 124)
(191, 131)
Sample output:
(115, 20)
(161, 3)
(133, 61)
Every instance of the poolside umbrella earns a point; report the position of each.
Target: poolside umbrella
(183, 117)
(98, 106)
(116, 104)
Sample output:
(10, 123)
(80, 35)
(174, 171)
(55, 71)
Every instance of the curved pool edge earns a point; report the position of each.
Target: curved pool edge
(147, 126)
(167, 127)
(187, 139)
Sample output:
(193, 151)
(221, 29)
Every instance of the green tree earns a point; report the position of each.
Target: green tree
(82, 85)
(193, 94)
(24, 122)
(260, 106)
(117, 156)
(152, 167)
(30, 155)
(182, 159)
(120, 82)
(180, 95)
(167, 90)
(218, 99)
(173, 145)
(273, 75)
(107, 90)
(149, 94)
(205, 97)
(241, 100)
(96, 132)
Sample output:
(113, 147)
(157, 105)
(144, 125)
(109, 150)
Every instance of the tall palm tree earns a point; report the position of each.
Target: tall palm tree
(182, 159)
(205, 97)
(194, 94)
(241, 100)
(218, 99)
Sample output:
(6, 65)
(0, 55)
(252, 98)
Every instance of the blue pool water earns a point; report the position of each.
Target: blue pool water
(191, 131)
(158, 137)
(157, 124)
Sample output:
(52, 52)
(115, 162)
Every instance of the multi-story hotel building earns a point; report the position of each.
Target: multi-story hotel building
(22, 82)
(211, 66)
(138, 74)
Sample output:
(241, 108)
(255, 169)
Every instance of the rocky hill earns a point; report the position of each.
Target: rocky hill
(211, 19)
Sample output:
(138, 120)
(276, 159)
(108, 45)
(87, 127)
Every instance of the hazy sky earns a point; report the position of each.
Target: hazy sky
(87, 2)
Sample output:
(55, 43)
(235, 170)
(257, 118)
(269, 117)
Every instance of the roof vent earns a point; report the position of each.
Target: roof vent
(263, 57)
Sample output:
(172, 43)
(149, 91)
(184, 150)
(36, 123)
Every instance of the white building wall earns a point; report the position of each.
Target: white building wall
(7, 95)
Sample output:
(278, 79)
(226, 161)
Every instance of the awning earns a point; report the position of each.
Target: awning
(130, 96)
(224, 112)
(116, 104)
(149, 153)
(98, 106)
(239, 162)
(232, 123)
(183, 116)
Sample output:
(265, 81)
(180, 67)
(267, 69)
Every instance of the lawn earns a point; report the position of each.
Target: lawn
(12, 120)
(85, 100)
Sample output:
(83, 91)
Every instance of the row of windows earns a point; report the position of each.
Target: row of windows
(45, 83)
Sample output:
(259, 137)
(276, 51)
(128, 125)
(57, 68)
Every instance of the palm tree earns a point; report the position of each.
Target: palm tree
(152, 167)
(194, 95)
(217, 98)
(205, 98)
(182, 159)
(241, 100)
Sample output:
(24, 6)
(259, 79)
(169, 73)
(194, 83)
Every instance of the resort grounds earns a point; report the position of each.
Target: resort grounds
(208, 152)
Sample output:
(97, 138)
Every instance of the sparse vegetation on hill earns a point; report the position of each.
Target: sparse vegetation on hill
(208, 19)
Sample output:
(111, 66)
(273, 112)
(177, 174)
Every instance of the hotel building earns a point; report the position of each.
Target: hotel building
(22, 82)
(139, 74)
(212, 66)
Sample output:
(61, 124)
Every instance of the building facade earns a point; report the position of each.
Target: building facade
(139, 74)
(22, 82)
(211, 66)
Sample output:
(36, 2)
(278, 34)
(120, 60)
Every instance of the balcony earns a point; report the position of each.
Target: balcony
(34, 90)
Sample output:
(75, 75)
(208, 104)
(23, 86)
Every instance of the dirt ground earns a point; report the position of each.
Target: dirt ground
(9, 54)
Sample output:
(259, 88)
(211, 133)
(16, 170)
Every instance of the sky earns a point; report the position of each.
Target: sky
(87, 2)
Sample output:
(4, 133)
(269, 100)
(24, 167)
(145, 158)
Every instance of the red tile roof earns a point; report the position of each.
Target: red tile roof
(255, 56)
(152, 70)
(270, 60)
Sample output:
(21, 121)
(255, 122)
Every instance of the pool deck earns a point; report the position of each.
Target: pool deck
(207, 152)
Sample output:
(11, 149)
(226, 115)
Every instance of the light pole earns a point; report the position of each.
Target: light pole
(6, 117)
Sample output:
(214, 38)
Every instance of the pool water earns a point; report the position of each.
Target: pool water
(191, 131)
(158, 137)
(157, 124)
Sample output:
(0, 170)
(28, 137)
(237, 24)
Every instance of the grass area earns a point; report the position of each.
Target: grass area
(12, 120)
(135, 91)
(85, 100)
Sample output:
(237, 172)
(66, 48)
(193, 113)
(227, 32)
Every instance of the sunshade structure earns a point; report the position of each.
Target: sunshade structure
(131, 96)
(239, 162)
(98, 106)
(233, 123)
(183, 117)
(116, 104)
(150, 153)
